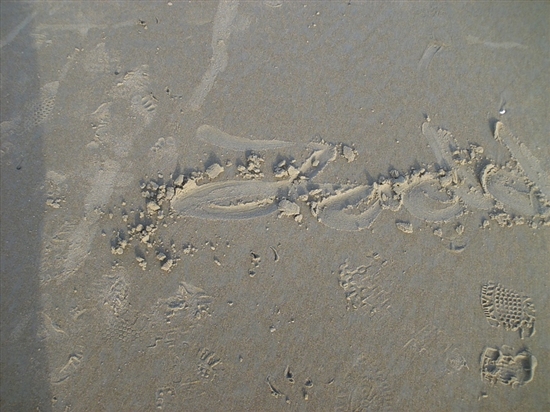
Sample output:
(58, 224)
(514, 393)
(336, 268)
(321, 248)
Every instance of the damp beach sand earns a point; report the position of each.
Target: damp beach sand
(274, 205)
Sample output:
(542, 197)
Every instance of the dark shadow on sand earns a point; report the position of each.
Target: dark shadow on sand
(24, 378)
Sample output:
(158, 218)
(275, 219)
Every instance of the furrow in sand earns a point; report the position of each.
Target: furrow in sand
(440, 143)
(427, 56)
(223, 25)
(219, 138)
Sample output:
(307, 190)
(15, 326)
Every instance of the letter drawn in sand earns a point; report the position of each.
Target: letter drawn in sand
(229, 200)
(426, 200)
(461, 166)
(527, 162)
(337, 211)
(236, 199)
(511, 189)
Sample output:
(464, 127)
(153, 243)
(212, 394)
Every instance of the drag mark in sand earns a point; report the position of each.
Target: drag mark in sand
(217, 137)
(494, 45)
(13, 34)
(226, 13)
(428, 55)
(439, 143)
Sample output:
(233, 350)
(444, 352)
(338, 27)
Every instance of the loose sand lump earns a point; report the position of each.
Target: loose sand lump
(253, 168)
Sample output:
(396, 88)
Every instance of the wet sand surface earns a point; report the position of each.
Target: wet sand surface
(275, 205)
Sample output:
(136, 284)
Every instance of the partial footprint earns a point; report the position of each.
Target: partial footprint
(501, 366)
(39, 110)
(505, 307)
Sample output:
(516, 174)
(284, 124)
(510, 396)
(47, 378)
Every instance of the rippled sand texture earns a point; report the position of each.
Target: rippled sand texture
(274, 205)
